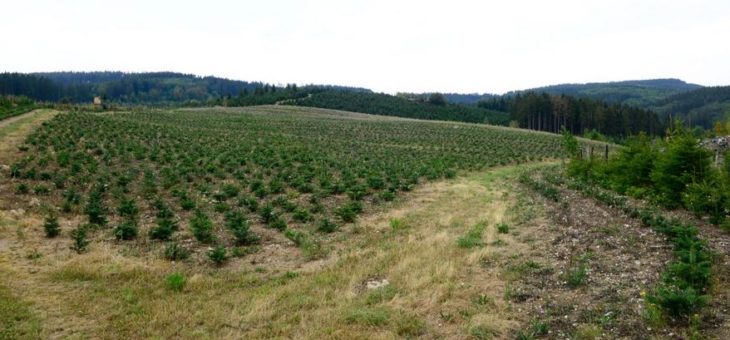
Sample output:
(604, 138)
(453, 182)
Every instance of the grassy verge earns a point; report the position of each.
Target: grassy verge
(16, 319)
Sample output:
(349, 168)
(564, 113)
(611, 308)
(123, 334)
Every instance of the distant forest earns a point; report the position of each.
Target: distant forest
(546, 112)
(131, 88)
(702, 107)
(616, 109)
(435, 107)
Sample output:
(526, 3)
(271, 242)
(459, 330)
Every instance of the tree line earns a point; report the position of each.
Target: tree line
(546, 112)
(434, 108)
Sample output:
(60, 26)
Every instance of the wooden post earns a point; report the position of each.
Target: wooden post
(605, 153)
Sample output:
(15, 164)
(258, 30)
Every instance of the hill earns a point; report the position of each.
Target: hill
(641, 93)
(167, 88)
(701, 107)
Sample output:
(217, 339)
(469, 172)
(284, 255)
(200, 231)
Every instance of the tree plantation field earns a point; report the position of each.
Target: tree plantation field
(230, 177)
(294, 222)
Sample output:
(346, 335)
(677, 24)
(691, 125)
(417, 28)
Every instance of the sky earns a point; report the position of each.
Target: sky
(388, 46)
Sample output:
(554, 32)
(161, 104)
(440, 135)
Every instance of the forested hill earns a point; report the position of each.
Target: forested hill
(701, 107)
(641, 93)
(130, 88)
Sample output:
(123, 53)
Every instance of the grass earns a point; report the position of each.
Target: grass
(16, 319)
(473, 238)
(176, 281)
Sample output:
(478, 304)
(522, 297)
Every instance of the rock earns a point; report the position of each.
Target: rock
(375, 284)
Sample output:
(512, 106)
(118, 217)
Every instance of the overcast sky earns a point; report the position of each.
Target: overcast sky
(389, 46)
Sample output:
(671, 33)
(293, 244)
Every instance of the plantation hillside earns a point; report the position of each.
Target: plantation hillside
(283, 168)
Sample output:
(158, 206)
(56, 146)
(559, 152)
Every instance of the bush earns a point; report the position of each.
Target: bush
(128, 208)
(202, 227)
(95, 209)
(218, 255)
(176, 282)
(175, 252)
(298, 237)
(164, 229)
(80, 242)
(126, 230)
(51, 226)
(682, 163)
(708, 197)
(677, 301)
(348, 212)
(327, 226)
(502, 228)
(278, 223)
(237, 223)
(301, 215)
(267, 213)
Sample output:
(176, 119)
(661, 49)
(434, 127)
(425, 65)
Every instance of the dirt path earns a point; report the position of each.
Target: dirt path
(16, 318)
(14, 130)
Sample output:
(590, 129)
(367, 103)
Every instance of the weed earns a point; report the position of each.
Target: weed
(503, 228)
(176, 252)
(175, 281)
(473, 238)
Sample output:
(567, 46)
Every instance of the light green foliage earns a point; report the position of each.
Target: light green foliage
(473, 237)
(175, 282)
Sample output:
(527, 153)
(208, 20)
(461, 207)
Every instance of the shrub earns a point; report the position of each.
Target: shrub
(80, 242)
(175, 252)
(327, 226)
(126, 230)
(218, 255)
(175, 282)
(278, 223)
(237, 223)
(187, 203)
(301, 215)
(708, 197)
(577, 274)
(128, 208)
(298, 237)
(348, 212)
(387, 195)
(95, 208)
(677, 301)
(202, 227)
(21, 189)
(164, 229)
(682, 163)
(51, 226)
(267, 213)
(502, 228)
